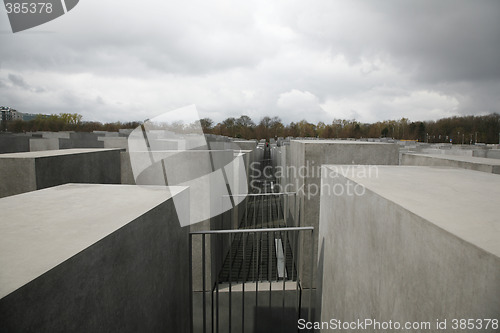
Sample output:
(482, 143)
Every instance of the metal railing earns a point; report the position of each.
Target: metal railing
(261, 210)
(258, 260)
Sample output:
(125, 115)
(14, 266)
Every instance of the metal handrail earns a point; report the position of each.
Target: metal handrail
(258, 194)
(283, 233)
(237, 231)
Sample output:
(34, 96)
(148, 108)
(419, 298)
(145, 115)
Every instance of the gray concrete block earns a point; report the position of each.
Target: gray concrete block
(22, 172)
(106, 134)
(306, 158)
(245, 145)
(201, 171)
(419, 244)
(488, 153)
(493, 153)
(94, 258)
(127, 175)
(448, 151)
(57, 135)
(13, 143)
(114, 142)
(80, 140)
(125, 131)
(168, 144)
(464, 162)
(44, 144)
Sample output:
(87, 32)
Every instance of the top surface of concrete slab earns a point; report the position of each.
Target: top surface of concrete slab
(462, 202)
(195, 151)
(60, 152)
(41, 229)
(342, 142)
(468, 159)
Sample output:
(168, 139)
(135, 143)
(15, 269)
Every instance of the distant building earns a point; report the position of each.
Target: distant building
(6, 115)
(29, 116)
(16, 115)
(9, 114)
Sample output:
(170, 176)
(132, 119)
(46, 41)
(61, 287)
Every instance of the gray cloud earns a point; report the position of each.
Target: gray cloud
(325, 59)
(18, 80)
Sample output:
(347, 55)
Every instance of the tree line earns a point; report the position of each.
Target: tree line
(65, 122)
(465, 129)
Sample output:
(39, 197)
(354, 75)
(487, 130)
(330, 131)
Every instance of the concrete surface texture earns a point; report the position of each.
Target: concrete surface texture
(107, 134)
(125, 131)
(456, 152)
(114, 141)
(420, 244)
(14, 143)
(246, 145)
(490, 165)
(488, 153)
(51, 135)
(127, 175)
(90, 258)
(44, 144)
(23, 172)
(201, 171)
(306, 158)
(80, 140)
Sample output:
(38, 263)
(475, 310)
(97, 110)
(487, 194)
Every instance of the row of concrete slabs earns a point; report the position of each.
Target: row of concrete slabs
(403, 235)
(395, 242)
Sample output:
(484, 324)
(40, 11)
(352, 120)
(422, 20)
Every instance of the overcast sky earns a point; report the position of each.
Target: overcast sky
(314, 60)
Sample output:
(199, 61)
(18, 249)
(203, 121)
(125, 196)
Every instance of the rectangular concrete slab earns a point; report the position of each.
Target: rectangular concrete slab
(490, 165)
(14, 143)
(29, 171)
(458, 201)
(87, 257)
(61, 222)
(409, 243)
(306, 158)
(44, 144)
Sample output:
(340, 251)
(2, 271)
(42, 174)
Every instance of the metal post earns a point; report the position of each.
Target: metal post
(285, 275)
(294, 253)
(246, 211)
(204, 282)
(212, 321)
(269, 263)
(230, 276)
(295, 209)
(278, 206)
(311, 286)
(234, 216)
(243, 289)
(217, 307)
(297, 296)
(191, 282)
(285, 215)
(269, 206)
(262, 211)
(254, 210)
(257, 278)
